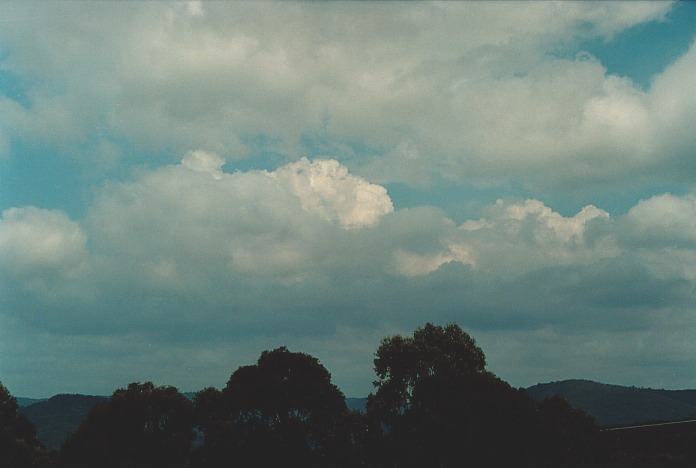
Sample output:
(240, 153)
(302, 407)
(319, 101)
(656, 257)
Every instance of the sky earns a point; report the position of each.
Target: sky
(185, 185)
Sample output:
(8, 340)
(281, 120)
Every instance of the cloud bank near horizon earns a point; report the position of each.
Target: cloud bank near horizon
(188, 255)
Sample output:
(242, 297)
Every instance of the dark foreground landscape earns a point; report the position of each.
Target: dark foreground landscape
(434, 404)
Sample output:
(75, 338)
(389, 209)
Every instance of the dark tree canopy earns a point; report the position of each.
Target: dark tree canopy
(402, 364)
(19, 447)
(570, 435)
(436, 405)
(283, 410)
(142, 426)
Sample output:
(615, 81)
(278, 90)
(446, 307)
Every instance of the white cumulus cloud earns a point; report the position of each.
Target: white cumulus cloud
(202, 161)
(666, 220)
(35, 241)
(326, 188)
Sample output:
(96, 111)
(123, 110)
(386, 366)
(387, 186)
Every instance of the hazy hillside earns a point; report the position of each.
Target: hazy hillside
(616, 405)
(56, 418)
(23, 401)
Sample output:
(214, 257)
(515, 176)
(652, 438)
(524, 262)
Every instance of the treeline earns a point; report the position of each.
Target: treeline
(434, 405)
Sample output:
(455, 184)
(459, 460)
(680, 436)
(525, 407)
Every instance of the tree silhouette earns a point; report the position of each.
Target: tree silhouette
(404, 364)
(436, 405)
(283, 410)
(571, 437)
(142, 426)
(19, 447)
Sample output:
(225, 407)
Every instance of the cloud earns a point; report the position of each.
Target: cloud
(256, 222)
(324, 187)
(413, 264)
(242, 241)
(203, 263)
(188, 266)
(513, 237)
(664, 220)
(36, 241)
(460, 91)
(192, 229)
(673, 103)
(201, 161)
(43, 259)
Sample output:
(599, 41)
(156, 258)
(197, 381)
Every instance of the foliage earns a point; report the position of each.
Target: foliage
(142, 426)
(436, 405)
(404, 364)
(19, 447)
(58, 417)
(283, 410)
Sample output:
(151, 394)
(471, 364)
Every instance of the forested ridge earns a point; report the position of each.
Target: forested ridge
(434, 404)
(617, 405)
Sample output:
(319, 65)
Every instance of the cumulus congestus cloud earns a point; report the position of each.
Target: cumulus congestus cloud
(279, 223)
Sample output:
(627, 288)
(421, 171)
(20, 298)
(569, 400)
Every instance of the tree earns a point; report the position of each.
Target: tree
(402, 364)
(571, 437)
(19, 447)
(283, 410)
(142, 426)
(436, 405)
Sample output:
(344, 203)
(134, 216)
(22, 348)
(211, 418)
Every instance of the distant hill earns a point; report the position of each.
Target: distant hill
(616, 405)
(59, 416)
(24, 401)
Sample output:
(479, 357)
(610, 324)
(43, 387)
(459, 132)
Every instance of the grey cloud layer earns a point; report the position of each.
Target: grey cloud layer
(217, 264)
(457, 90)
